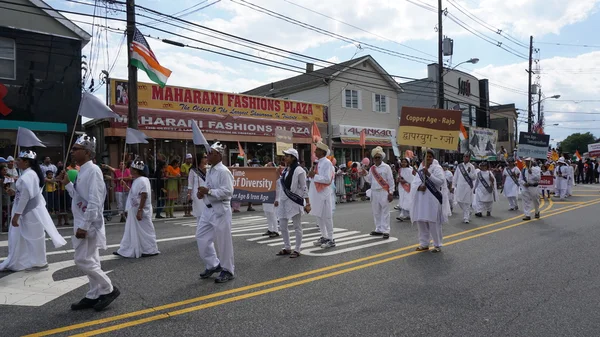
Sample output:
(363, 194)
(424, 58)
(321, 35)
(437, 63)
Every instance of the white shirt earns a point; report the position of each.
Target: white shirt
(140, 185)
(288, 208)
(195, 181)
(88, 193)
(385, 171)
(219, 181)
(531, 178)
(46, 168)
(462, 190)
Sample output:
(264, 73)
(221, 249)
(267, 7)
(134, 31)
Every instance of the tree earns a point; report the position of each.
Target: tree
(577, 141)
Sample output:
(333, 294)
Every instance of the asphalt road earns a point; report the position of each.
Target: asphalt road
(497, 276)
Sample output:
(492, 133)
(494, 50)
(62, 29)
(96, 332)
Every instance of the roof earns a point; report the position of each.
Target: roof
(85, 37)
(504, 108)
(317, 78)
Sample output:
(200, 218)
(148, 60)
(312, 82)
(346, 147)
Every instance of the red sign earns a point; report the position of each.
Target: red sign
(4, 109)
(547, 181)
(166, 120)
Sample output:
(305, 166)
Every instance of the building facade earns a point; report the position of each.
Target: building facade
(40, 74)
(504, 119)
(359, 94)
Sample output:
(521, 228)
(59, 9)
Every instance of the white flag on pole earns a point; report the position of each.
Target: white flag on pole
(135, 137)
(26, 138)
(199, 137)
(92, 107)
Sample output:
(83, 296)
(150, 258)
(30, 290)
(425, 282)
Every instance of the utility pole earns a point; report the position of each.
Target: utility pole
(530, 94)
(441, 58)
(539, 105)
(132, 115)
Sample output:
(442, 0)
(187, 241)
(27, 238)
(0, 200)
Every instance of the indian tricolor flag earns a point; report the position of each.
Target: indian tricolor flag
(143, 58)
(463, 135)
(241, 153)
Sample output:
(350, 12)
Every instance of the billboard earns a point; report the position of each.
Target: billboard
(482, 143)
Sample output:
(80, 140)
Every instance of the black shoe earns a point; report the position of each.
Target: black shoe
(374, 233)
(527, 218)
(268, 233)
(479, 215)
(208, 272)
(105, 300)
(386, 236)
(159, 217)
(149, 255)
(488, 214)
(117, 254)
(225, 276)
(85, 303)
(537, 215)
(273, 235)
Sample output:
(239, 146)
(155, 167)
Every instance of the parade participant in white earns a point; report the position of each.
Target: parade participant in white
(214, 226)
(292, 200)
(530, 178)
(570, 178)
(30, 218)
(321, 175)
(269, 210)
(463, 186)
(430, 203)
(197, 178)
(381, 178)
(449, 178)
(88, 195)
(139, 238)
(406, 176)
(485, 190)
(510, 183)
(561, 174)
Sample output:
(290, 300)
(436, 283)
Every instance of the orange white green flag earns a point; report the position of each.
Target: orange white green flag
(143, 58)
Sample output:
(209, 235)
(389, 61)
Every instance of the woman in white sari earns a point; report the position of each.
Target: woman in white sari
(139, 239)
(405, 178)
(431, 206)
(30, 218)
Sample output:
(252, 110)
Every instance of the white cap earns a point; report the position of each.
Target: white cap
(188, 156)
(292, 152)
(10, 158)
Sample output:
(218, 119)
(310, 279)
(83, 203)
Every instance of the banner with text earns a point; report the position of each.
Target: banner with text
(254, 184)
(594, 150)
(547, 183)
(283, 140)
(482, 143)
(227, 104)
(533, 145)
(433, 128)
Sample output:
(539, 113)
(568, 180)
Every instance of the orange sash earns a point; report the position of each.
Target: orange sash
(320, 186)
(380, 179)
(406, 187)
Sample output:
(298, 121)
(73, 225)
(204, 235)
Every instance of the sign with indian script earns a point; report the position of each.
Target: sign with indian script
(283, 140)
(254, 184)
(214, 102)
(433, 128)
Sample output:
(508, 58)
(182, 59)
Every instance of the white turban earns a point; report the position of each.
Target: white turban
(378, 151)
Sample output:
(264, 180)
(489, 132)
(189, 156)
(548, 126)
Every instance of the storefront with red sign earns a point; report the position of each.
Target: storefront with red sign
(347, 142)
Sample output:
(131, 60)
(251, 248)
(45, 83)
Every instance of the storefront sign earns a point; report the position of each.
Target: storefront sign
(433, 128)
(254, 184)
(464, 87)
(219, 103)
(374, 136)
(482, 143)
(161, 120)
(283, 140)
(594, 150)
(533, 145)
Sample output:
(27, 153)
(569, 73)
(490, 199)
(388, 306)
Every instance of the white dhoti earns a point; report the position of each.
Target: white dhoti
(531, 200)
(269, 210)
(87, 259)
(215, 229)
(381, 211)
(296, 220)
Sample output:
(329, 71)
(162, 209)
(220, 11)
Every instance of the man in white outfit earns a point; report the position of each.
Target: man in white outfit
(319, 193)
(88, 195)
(381, 178)
(214, 226)
(530, 179)
(510, 183)
(463, 186)
(562, 175)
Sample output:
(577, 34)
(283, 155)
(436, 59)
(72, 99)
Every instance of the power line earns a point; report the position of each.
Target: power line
(569, 44)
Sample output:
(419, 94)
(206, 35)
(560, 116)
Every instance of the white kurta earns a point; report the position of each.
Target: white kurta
(405, 197)
(427, 212)
(88, 195)
(485, 199)
(531, 197)
(561, 174)
(511, 189)
(463, 192)
(449, 178)
(139, 236)
(27, 243)
(195, 181)
(289, 210)
(320, 201)
(379, 196)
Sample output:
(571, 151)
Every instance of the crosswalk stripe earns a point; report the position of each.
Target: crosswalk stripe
(304, 236)
(262, 238)
(341, 237)
(334, 251)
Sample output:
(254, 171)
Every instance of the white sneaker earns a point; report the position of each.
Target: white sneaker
(466, 220)
(328, 244)
(319, 242)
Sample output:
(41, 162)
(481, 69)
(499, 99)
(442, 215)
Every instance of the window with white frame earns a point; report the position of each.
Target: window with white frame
(7, 59)
(380, 103)
(352, 99)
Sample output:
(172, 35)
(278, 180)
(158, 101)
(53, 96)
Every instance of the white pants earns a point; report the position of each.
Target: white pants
(121, 200)
(403, 213)
(381, 211)
(466, 208)
(512, 202)
(561, 193)
(215, 228)
(271, 221)
(484, 206)
(531, 200)
(283, 223)
(325, 222)
(428, 231)
(569, 189)
(87, 259)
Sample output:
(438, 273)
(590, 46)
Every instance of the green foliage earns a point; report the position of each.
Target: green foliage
(577, 141)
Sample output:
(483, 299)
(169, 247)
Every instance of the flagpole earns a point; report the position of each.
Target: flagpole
(72, 135)
(132, 116)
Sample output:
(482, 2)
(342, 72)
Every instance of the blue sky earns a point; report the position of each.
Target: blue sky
(570, 71)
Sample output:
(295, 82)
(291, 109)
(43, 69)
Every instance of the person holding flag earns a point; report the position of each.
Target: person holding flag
(510, 183)
(463, 184)
(381, 178)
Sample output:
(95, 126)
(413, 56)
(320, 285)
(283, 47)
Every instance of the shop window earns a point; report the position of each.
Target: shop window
(352, 99)
(380, 103)
(8, 69)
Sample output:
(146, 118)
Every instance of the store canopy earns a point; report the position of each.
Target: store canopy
(368, 141)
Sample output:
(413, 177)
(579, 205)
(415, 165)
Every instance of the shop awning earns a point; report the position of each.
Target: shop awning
(368, 141)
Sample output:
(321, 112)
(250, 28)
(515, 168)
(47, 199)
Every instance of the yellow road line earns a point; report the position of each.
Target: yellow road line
(251, 286)
(309, 280)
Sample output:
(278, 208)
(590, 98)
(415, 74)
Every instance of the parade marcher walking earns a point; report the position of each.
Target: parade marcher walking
(405, 178)
(381, 178)
(562, 175)
(30, 218)
(197, 178)
(485, 190)
(430, 204)
(449, 178)
(88, 194)
(292, 201)
(214, 226)
(322, 175)
(139, 238)
(510, 184)
(530, 179)
(463, 184)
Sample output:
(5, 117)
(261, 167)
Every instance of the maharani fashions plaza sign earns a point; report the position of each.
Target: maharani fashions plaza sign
(432, 128)
(213, 102)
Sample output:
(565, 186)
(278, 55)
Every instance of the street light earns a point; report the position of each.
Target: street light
(441, 74)
(540, 100)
